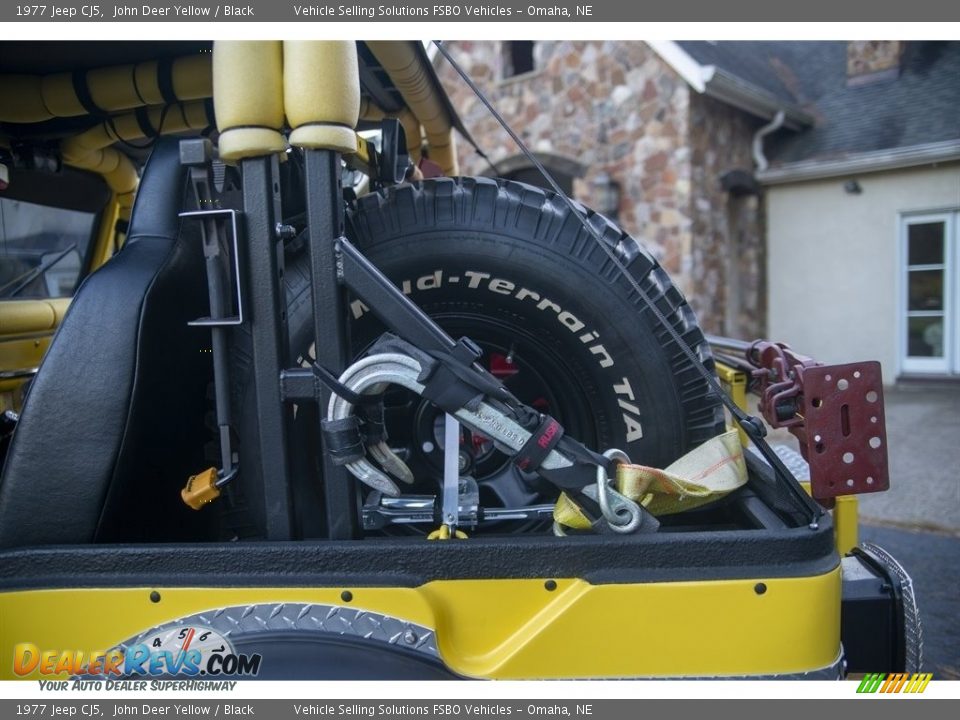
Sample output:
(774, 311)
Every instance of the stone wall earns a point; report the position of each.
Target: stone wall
(868, 57)
(616, 107)
(727, 260)
(612, 107)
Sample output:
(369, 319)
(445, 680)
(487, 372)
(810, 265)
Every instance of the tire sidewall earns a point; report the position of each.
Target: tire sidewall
(619, 371)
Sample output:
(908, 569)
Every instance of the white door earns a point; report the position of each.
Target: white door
(930, 298)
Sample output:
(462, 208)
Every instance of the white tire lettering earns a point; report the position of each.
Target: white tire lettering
(634, 430)
(430, 282)
(624, 389)
(547, 303)
(475, 278)
(358, 309)
(571, 321)
(628, 407)
(605, 359)
(501, 286)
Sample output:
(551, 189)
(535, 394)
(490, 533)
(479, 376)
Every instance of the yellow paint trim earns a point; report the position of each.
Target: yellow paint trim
(26, 329)
(363, 151)
(105, 242)
(21, 354)
(846, 523)
(504, 629)
(734, 382)
(846, 512)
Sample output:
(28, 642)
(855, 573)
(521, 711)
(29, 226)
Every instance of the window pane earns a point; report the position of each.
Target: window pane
(925, 290)
(925, 337)
(517, 57)
(41, 249)
(925, 243)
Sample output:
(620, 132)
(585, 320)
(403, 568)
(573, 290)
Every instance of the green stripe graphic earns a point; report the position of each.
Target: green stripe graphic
(871, 682)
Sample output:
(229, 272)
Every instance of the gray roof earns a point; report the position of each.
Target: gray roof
(920, 106)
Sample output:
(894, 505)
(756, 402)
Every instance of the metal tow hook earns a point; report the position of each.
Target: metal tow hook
(621, 513)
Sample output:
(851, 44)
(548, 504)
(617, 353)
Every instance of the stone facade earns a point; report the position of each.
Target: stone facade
(617, 108)
(867, 57)
(727, 262)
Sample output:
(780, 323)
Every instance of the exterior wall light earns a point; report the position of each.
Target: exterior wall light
(606, 195)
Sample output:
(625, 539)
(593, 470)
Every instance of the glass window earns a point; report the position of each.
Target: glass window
(928, 333)
(41, 249)
(518, 58)
(925, 337)
(925, 290)
(925, 243)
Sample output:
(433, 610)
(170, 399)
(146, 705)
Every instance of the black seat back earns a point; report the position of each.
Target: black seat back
(114, 421)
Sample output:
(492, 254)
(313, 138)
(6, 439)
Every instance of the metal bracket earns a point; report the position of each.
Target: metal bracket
(219, 216)
(450, 506)
(845, 429)
(835, 411)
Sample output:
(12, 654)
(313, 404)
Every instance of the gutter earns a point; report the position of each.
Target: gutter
(728, 88)
(723, 86)
(873, 161)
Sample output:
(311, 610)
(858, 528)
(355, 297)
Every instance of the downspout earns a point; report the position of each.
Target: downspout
(759, 159)
(732, 318)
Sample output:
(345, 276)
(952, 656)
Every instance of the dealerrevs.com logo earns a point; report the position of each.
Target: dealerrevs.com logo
(180, 650)
(894, 683)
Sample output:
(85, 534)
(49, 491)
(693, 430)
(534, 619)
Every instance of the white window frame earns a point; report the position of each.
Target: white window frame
(950, 362)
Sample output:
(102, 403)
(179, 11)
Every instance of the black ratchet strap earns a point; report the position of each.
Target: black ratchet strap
(542, 440)
(342, 440)
(339, 389)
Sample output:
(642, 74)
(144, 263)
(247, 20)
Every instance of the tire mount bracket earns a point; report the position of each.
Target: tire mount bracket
(469, 395)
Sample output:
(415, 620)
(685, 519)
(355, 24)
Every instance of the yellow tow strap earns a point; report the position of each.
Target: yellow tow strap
(703, 475)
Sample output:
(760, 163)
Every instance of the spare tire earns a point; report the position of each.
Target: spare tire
(511, 267)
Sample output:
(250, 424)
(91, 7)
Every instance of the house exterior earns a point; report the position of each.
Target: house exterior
(866, 203)
(792, 189)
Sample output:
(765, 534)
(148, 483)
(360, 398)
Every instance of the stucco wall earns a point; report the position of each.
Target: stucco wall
(833, 260)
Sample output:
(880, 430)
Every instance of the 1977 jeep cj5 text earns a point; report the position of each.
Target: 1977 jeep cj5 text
(320, 408)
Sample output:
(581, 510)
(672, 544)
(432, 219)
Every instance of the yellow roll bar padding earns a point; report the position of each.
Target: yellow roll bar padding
(248, 97)
(90, 150)
(321, 93)
(165, 120)
(116, 169)
(406, 69)
(24, 316)
(35, 98)
(409, 122)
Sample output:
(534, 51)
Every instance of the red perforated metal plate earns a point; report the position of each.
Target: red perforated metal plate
(846, 430)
